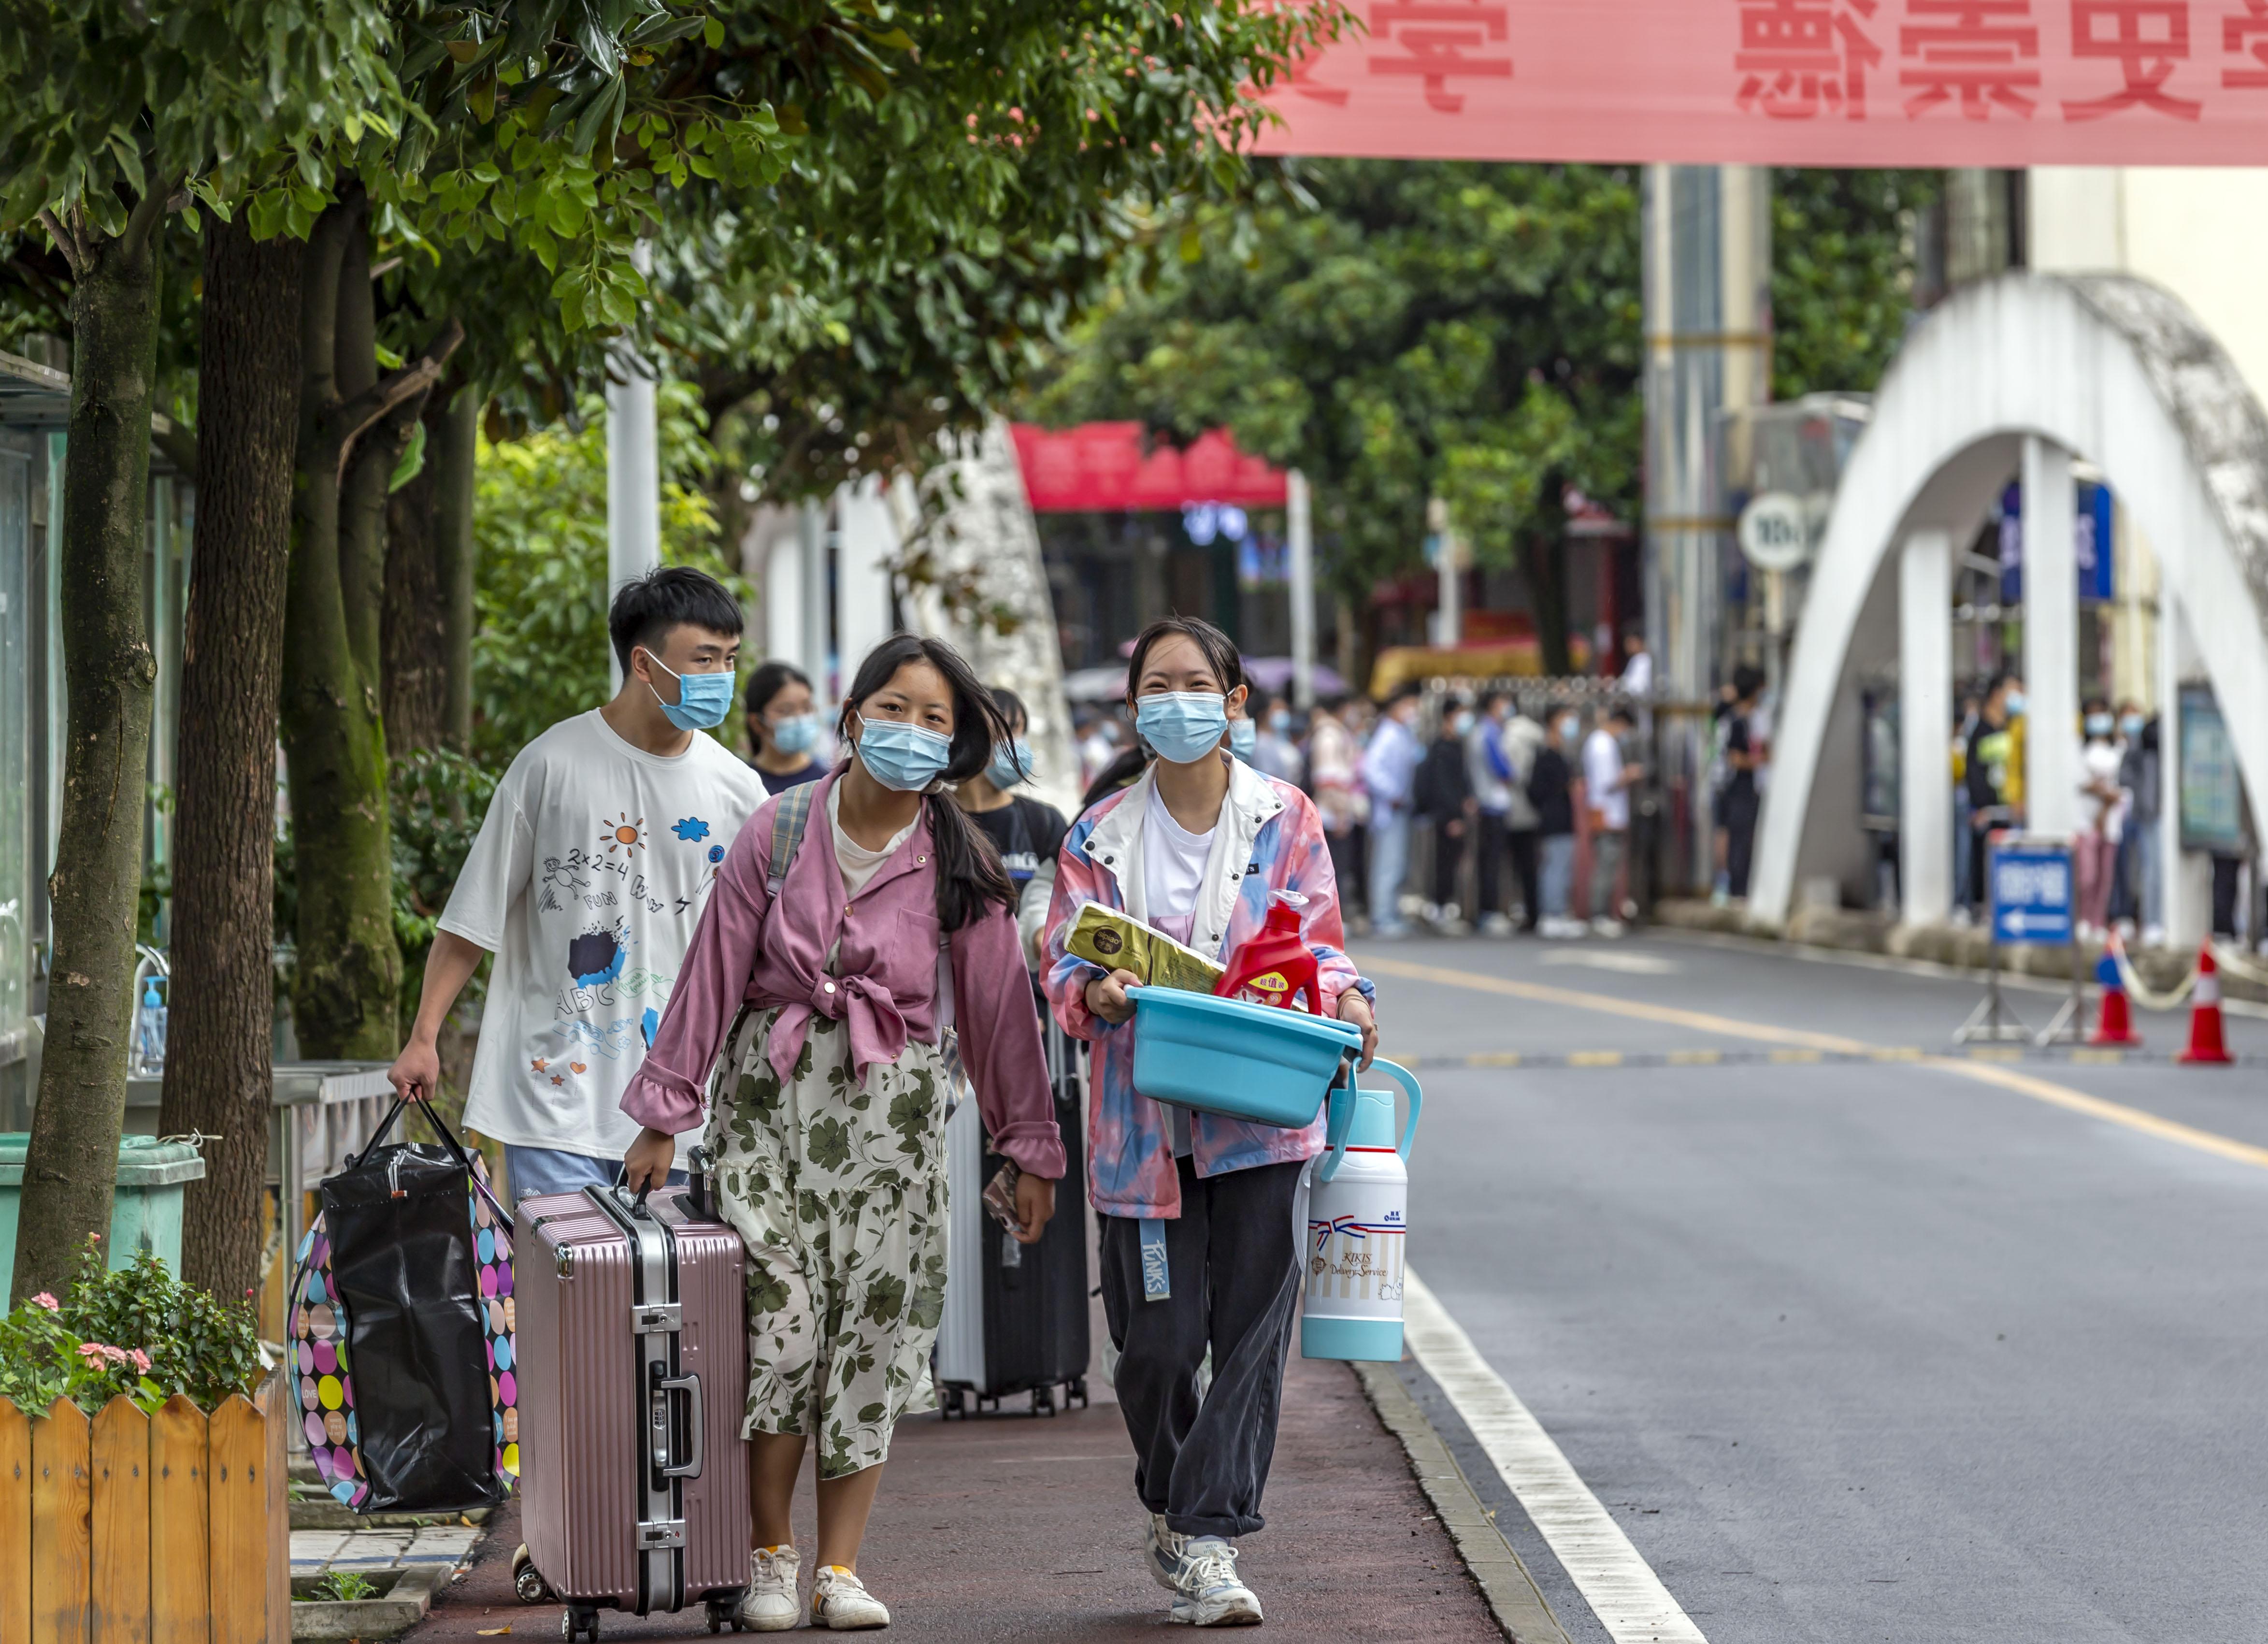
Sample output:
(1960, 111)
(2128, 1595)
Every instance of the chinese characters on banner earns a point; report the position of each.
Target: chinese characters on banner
(1818, 82)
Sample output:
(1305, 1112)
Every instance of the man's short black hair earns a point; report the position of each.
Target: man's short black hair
(674, 596)
(1619, 713)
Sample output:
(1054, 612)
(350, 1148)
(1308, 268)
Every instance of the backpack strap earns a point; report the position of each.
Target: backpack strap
(789, 818)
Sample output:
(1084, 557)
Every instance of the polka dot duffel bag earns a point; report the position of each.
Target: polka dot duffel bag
(401, 1330)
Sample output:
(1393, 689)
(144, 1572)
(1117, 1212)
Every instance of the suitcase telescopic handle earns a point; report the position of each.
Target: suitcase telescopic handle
(689, 1384)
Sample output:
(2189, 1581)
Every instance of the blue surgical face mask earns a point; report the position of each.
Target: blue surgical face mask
(1182, 725)
(2013, 702)
(1243, 739)
(2098, 725)
(796, 734)
(2132, 725)
(1280, 721)
(905, 758)
(1011, 764)
(703, 699)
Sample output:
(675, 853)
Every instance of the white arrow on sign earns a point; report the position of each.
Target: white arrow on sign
(2015, 921)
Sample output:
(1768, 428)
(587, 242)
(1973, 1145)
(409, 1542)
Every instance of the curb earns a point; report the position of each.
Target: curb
(403, 1607)
(1513, 1596)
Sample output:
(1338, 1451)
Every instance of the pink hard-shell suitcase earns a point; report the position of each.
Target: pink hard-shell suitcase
(633, 1375)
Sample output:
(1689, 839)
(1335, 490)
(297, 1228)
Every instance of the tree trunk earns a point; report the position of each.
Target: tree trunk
(1544, 565)
(348, 970)
(219, 1023)
(453, 459)
(110, 673)
(347, 977)
(417, 615)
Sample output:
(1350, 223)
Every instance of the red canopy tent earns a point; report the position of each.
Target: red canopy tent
(1106, 467)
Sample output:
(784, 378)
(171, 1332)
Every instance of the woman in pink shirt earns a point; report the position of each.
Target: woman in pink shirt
(820, 1018)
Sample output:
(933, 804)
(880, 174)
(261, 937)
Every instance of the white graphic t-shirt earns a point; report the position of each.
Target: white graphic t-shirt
(590, 873)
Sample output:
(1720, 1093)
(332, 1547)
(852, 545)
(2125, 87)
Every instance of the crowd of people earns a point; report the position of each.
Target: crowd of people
(790, 959)
(2117, 880)
(1464, 813)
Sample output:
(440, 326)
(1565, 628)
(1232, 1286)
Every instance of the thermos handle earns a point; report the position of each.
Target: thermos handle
(1407, 1081)
(1342, 1115)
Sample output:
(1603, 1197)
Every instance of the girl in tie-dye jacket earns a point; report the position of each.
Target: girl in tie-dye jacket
(1199, 1251)
(1269, 838)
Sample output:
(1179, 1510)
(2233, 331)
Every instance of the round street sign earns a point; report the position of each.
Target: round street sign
(1775, 532)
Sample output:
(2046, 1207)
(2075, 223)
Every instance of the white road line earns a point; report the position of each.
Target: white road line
(1622, 1589)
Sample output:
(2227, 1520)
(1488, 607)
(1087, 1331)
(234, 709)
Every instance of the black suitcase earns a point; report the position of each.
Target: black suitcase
(1015, 1316)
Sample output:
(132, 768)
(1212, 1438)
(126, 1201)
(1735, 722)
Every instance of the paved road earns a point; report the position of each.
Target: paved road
(1853, 1352)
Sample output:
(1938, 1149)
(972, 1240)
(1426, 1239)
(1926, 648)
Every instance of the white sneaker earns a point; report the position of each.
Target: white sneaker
(2154, 936)
(1206, 1592)
(1496, 925)
(1606, 927)
(770, 1604)
(1165, 1550)
(841, 1604)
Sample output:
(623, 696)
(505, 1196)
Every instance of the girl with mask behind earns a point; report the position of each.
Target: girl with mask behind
(1195, 846)
(817, 987)
(782, 728)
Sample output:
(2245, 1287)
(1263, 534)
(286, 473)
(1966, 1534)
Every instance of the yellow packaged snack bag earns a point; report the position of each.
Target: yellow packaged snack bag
(1118, 941)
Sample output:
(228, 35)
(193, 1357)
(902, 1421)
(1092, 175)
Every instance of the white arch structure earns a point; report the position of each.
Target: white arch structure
(2020, 374)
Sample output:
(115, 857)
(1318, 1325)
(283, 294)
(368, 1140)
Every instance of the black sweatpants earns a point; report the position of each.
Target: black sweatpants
(1233, 1268)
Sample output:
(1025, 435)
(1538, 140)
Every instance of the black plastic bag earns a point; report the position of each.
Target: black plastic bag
(406, 1273)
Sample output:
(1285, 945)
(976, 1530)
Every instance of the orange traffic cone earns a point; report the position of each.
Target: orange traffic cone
(2206, 1044)
(2114, 1023)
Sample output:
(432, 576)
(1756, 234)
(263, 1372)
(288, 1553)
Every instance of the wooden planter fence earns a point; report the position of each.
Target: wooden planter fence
(135, 1529)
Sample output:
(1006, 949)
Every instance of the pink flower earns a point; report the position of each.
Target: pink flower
(140, 1361)
(47, 1301)
(91, 1352)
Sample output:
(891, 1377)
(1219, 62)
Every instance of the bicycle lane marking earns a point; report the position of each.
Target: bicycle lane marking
(1615, 1580)
(2063, 1096)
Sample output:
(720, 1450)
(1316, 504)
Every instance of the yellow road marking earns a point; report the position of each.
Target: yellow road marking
(1695, 1058)
(1976, 1066)
(1595, 1058)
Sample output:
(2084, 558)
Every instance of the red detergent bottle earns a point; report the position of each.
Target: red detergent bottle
(1274, 965)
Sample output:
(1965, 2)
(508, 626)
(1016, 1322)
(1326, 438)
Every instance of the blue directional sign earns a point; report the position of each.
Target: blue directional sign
(2031, 893)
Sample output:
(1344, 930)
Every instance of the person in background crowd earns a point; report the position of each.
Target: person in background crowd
(1389, 770)
(591, 867)
(783, 730)
(1496, 781)
(1551, 790)
(2142, 776)
(1278, 754)
(828, 1124)
(1244, 730)
(1737, 802)
(1964, 723)
(1993, 758)
(1098, 747)
(1443, 794)
(2102, 807)
(1334, 772)
(1026, 831)
(1197, 848)
(1637, 662)
(1609, 775)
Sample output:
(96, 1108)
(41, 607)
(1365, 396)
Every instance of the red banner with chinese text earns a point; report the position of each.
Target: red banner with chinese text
(2006, 83)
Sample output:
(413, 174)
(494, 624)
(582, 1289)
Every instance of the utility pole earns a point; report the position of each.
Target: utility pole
(1706, 233)
(1300, 523)
(633, 470)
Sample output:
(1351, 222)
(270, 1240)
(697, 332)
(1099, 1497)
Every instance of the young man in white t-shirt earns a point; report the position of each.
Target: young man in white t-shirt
(1608, 775)
(587, 882)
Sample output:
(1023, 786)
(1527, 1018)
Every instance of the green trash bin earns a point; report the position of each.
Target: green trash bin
(146, 1214)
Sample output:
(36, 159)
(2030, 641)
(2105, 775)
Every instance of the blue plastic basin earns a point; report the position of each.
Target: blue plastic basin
(1256, 1062)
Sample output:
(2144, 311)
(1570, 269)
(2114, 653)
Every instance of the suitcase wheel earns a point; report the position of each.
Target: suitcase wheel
(1075, 1391)
(526, 1581)
(576, 1621)
(1043, 1401)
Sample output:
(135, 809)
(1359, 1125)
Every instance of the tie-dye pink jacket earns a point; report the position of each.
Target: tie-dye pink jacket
(1268, 839)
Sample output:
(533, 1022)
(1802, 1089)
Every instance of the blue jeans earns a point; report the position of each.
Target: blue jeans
(1555, 872)
(1389, 866)
(539, 1170)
